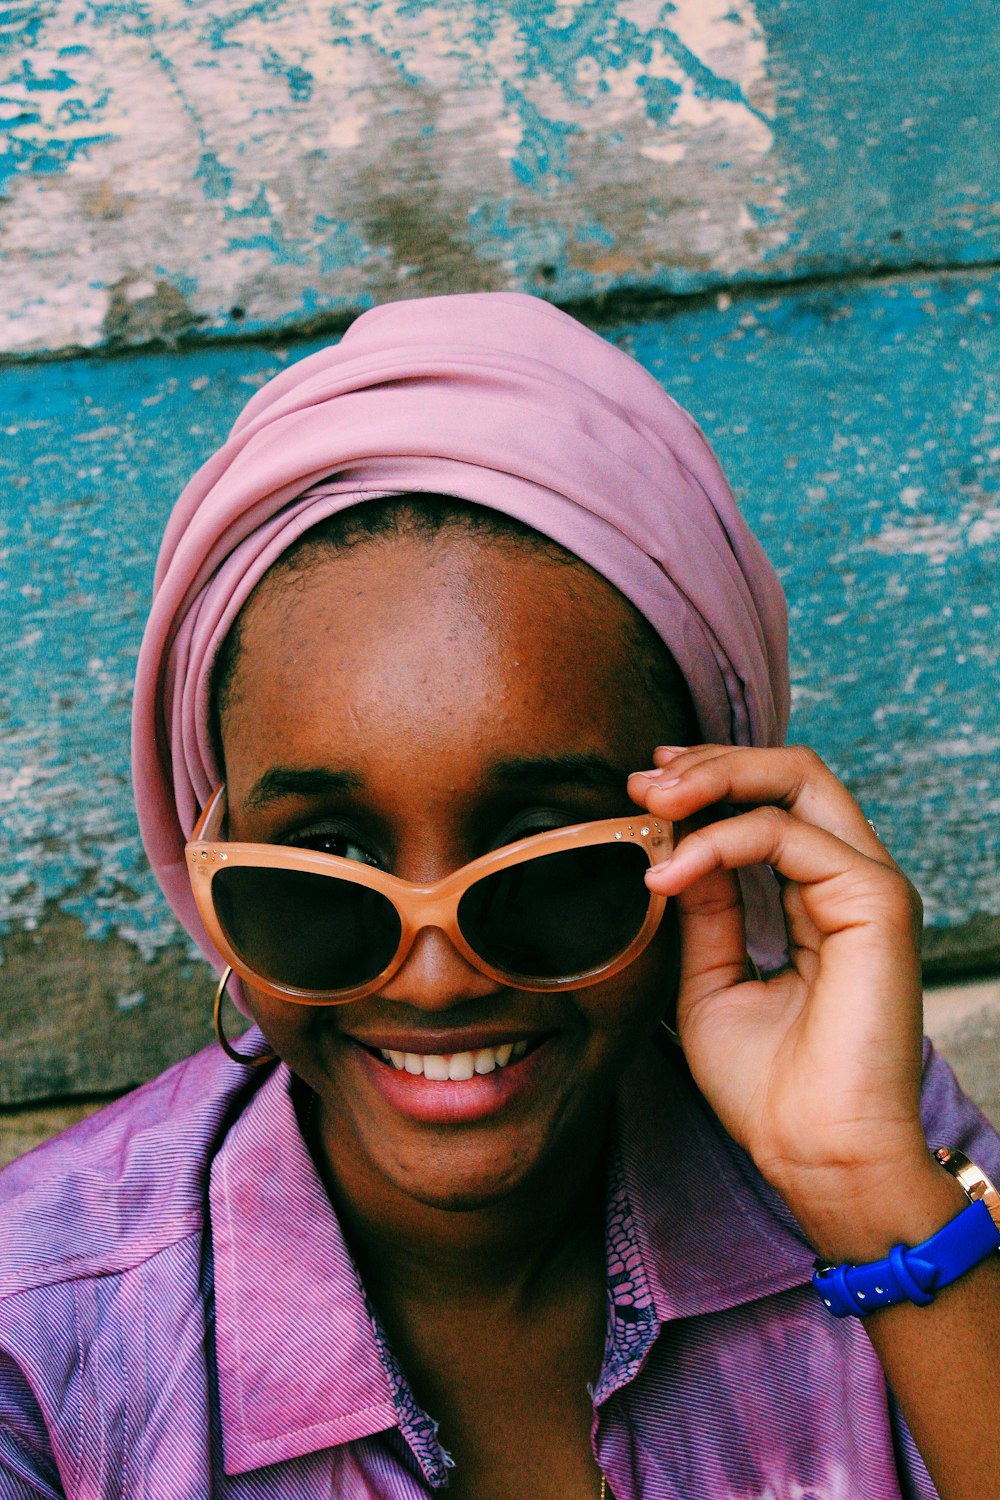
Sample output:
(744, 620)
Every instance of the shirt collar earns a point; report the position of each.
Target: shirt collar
(709, 1231)
(303, 1363)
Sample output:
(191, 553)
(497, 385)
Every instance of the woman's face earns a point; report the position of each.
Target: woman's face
(445, 677)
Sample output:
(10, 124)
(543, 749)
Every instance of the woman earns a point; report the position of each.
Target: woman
(450, 1217)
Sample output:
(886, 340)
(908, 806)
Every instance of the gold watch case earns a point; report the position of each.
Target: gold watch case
(973, 1179)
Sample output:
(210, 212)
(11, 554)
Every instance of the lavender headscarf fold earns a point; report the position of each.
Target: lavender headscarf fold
(493, 397)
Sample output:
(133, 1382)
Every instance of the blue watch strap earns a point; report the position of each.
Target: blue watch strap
(910, 1275)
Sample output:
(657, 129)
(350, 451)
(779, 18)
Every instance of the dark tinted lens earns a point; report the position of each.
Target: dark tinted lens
(560, 914)
(313, 932)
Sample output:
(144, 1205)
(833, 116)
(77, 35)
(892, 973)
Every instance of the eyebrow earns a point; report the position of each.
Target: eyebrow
(291, 781)
(574, 769)
(584, 769)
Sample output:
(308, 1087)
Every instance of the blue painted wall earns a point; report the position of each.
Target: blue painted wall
(860, 426)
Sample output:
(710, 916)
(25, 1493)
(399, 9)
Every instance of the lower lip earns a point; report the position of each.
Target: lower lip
(456, 1102)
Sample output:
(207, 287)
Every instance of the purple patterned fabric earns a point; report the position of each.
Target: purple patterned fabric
(181, 1318)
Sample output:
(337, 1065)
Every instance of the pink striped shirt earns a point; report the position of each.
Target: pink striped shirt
(180, 1316)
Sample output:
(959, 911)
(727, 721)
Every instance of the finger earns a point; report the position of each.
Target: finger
(839, 887)
(713, 932)
(804, 941)
(793, 778)
(712, 938)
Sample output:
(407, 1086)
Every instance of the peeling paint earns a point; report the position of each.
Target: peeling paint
(141, 311)
(274, 119)
(208, 148)
(976, 525)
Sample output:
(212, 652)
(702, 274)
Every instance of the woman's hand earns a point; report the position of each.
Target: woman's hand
(816, 1070)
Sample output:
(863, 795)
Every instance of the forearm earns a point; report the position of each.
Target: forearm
(943, 1364)
(941, 1361)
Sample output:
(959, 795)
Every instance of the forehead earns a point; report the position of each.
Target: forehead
(455, 642)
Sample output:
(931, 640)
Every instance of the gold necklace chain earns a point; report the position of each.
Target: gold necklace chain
(604, 1488)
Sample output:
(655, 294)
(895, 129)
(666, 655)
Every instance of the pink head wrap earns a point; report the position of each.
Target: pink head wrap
(493, 397)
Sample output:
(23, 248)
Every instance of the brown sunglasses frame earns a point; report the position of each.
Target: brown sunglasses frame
(418, 906)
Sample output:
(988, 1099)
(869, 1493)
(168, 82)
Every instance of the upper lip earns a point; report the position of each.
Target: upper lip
(447, 1043)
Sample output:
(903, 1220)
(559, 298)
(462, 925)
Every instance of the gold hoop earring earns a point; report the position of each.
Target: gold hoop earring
(224, 1043)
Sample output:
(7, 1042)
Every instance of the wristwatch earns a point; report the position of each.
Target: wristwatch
(974, 1181)
(917, 1274)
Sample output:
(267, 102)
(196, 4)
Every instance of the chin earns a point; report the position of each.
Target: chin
(460, 1197)
(447, 1182)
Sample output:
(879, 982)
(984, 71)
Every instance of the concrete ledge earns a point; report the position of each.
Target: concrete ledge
(961, 953)
(90, 1017)
(964, 1022)
(22, 1130)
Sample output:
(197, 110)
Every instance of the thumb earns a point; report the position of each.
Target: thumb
(712, 937)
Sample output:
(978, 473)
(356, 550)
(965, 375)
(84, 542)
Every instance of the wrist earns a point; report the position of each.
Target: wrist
(859, 1216)
(917, 1271)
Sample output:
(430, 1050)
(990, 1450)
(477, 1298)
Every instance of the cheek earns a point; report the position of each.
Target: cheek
(627, 1008)
(300, 1034)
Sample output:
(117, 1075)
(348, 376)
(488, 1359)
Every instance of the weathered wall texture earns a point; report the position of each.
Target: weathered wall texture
(194, 165)
(194, 193)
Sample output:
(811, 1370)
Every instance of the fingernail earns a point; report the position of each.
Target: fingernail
(652, 775)
(658, 868)
(670, 749)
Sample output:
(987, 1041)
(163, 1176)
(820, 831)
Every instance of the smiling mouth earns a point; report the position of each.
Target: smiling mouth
(452, 1067)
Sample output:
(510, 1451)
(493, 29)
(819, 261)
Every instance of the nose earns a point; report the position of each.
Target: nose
(435, 976)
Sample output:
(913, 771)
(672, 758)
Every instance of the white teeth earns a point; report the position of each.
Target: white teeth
(455, 1066)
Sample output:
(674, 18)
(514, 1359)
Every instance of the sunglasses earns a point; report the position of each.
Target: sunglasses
(554, 911)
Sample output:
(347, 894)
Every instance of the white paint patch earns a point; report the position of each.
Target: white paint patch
(926, 536)
(985, 528)
(346, 133)
(669, 151)
(15, 783)
(300, 163)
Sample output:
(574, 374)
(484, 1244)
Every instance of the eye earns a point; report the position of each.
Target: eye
(540, 821)
(332, 841)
